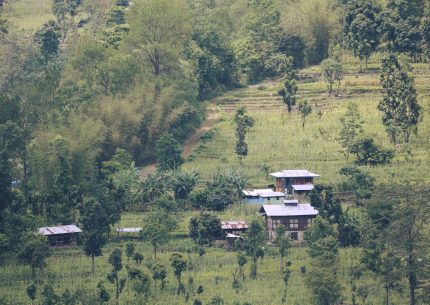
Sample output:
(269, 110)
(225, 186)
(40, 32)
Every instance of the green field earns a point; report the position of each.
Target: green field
(71, 269)
(279, 142)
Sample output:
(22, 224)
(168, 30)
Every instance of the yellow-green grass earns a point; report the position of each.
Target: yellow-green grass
(28, 15)
(277, 139)
(71, 269)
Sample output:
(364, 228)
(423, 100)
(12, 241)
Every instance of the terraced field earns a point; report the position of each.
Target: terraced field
(278, 141)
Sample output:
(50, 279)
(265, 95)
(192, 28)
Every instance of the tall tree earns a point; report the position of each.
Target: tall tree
(305, 110)
(289, 88)
(350, 127)
(243, 123)
(34, 251)
(401, 112)
(169, 152)
(115, 260)
(253, 244)
(332, 72)
(159, 30)
(95, 225)
(158, 225)
(361, 27)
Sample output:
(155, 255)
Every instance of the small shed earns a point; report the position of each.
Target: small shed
(128, 230)
(61, 236)
(262, 196)
(233, 228)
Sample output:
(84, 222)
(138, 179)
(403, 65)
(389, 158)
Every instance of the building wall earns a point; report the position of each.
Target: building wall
(298, 224)
(62, 240)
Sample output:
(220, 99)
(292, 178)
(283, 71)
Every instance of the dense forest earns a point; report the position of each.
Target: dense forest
(98, 98)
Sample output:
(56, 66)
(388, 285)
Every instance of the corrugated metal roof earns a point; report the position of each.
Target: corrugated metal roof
(68, 229)
(291, 201)
(265, 193)
(303, 209)
(294, 173)
(128, 230)
(229, 235)
(233, 225)
(303, 187)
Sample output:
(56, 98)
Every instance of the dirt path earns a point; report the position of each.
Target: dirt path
(191, 143)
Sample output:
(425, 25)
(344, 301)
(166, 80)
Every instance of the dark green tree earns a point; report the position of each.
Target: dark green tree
(159, 273)
(362, 27)
(289, 88)
(350, 127)
(360, 182)
(205, 228)
(169, 152)
(179, 265)
(243, 124)
(331, 73)
(49, 297)
(102, 293)
(283, 242)
(115, 260)
(95, 225)
(129, 250)
(182, 183)
(305, 110)
(253, 244)
(401, 112)
(286, 273)
(33, 251)
(367, 153)
(158, 225)
(31, 292)
(48, 39)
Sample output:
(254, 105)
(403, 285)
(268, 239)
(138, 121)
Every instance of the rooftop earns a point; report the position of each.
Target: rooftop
(234, 225)
(303, 209)
(294, 173)
(128, 230)
(263, 193)
(303, 187)
(69, 229)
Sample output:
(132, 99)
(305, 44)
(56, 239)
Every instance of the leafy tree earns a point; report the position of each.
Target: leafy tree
(292, 45)
(401, 112)
(289, 88)
(362, 26)
(362, 183)
(96, 227)
(286, 273)
(6, 193)
(350, 127)
(253, 244)
(137, 257)
(115, 16)
(216, 300)
(168, 152)
(102, 293)
(243, 123)
(367, 153)
(115, 260)
(158, 31)
(305, 109)
(332, 72)
(205, 228)
(329, 207)
(182, 183)
(158, 225)
(159, 273)
(179, 265)
(33, 251)
(31, 292)
(142, 286)
(48, 39)
(425, 32)
(283, 242)
(241, 261)
(129, 250)
(49, 297)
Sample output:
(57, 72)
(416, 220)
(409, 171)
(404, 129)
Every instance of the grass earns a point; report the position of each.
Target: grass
(71, 269)
(28, 15)
(278, 140)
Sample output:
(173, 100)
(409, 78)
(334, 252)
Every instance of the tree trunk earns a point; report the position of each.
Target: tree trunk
(33, 273)
(387, 296)
(155, 250)
(92, 265)
(412, 278)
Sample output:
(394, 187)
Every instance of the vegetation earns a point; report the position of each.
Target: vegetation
(103, 104)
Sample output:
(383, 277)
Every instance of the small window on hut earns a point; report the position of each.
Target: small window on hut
(294, 236)
(276, 223)
(294, 223)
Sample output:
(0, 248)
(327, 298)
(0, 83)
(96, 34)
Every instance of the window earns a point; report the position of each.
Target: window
(309, 221)
(277, 198)
(294, 236)
(276, 223)
(294, 223)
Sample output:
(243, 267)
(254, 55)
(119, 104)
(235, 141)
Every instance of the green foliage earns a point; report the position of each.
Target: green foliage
(362, 183)
(361, 26)
(115, 16)
(351, 127)
(179, 265)
(401, 112)
(305, 109)
(182, 183)
(48, 39)
(205, 228)
(289, 89)
(157, 228)
(169, 152)
(367, 153)
(33, 251)
(115, 260)
(31, 292)
(253, 244)
(332, 72)
(243, 124)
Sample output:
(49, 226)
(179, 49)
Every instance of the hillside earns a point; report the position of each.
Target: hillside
(278, 142)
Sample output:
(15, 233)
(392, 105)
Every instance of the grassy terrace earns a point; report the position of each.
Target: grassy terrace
(278, 140)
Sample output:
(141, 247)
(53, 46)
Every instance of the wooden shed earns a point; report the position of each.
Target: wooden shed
(61, 236)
